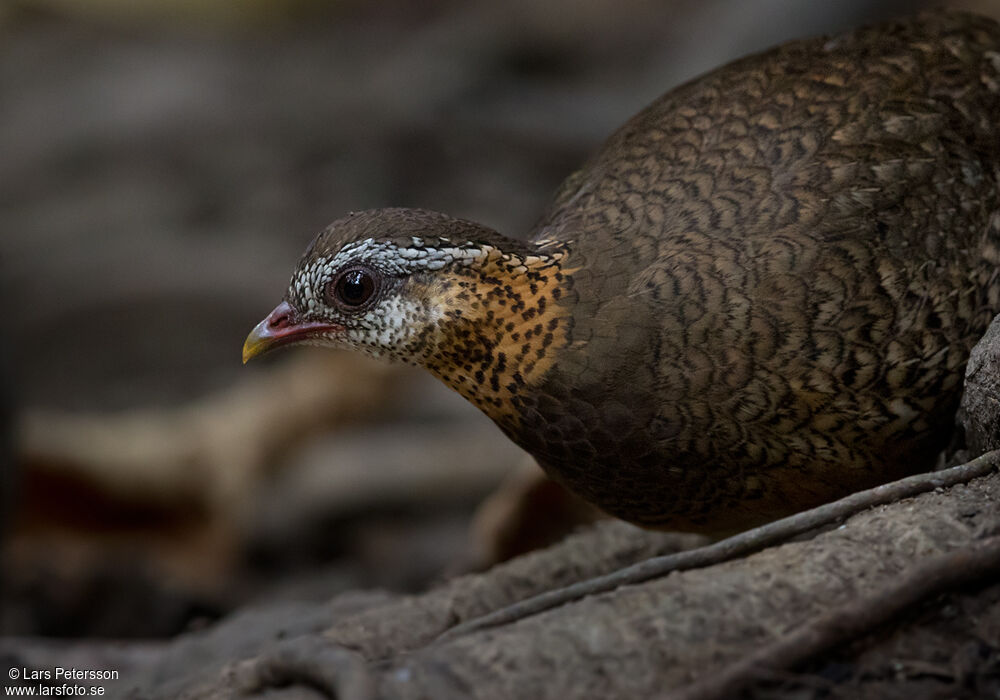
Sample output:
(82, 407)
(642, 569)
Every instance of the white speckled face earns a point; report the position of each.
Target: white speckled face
(367, 288)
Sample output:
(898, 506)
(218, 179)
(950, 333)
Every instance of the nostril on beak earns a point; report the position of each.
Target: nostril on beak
(280, 318)
(279, 321)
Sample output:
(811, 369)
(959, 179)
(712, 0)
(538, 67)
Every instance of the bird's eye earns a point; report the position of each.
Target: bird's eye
(352, 288)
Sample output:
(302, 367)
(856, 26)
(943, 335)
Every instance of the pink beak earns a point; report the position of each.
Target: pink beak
(282, 327)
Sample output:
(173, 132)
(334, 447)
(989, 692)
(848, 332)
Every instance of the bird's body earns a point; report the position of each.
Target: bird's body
(759, 295)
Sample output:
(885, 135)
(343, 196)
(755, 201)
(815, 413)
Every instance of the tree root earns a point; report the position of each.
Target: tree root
(852, 619)
(739, 545)
(311, 661)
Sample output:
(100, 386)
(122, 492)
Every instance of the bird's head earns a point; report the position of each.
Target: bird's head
(423, 288)
(373, 281)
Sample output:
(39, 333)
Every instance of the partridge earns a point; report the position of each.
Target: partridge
(757, 296)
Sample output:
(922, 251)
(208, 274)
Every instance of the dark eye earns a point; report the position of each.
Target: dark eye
(353, 287)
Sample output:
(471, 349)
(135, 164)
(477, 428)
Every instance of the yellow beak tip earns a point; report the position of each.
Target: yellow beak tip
(252, 347)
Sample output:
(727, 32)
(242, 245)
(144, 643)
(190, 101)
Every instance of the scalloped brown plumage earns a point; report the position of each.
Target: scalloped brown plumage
(759, 295)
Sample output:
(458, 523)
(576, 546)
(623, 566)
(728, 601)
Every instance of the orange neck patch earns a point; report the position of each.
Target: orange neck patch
(504, 321)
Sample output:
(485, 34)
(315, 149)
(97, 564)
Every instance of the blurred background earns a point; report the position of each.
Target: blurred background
(163, 163)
